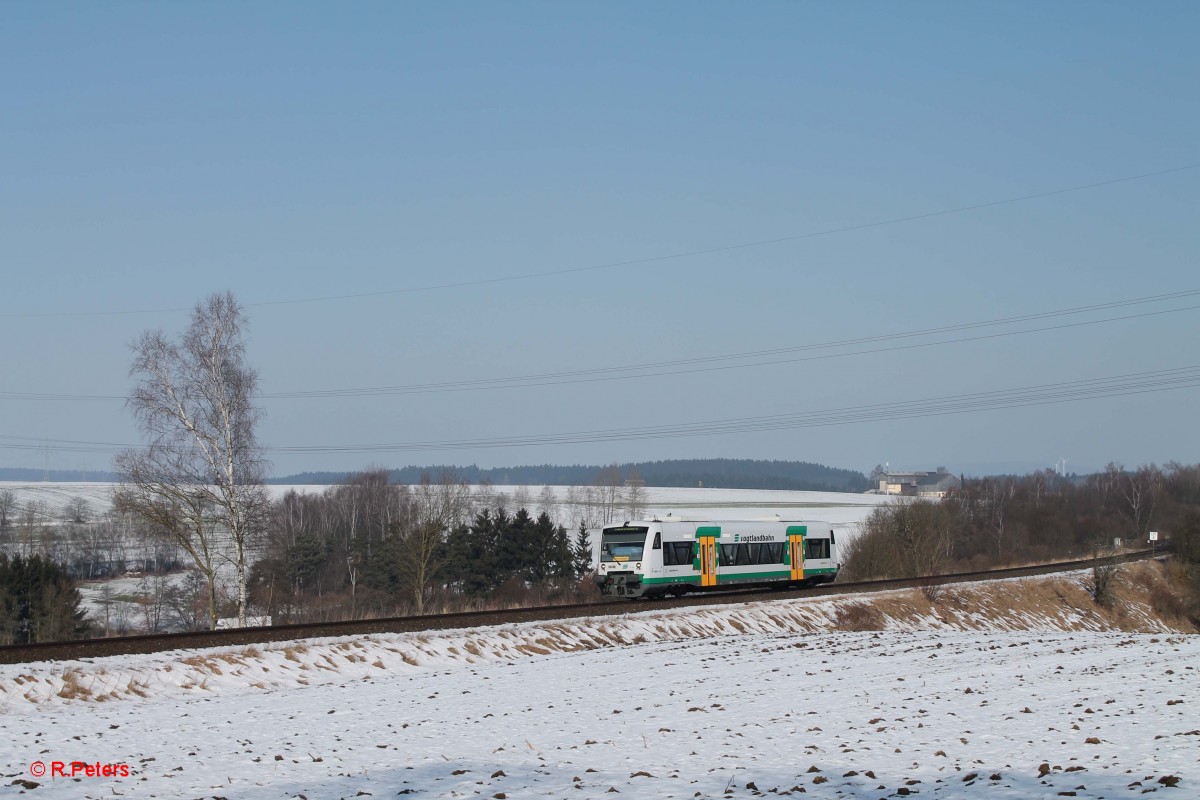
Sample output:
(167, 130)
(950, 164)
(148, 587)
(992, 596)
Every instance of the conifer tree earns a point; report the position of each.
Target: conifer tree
(38, 602)
(581, 552)
(563, 568)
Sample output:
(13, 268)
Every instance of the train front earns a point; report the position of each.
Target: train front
(621, 573)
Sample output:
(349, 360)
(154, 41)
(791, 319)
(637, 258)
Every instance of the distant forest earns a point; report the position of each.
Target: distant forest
(717, 473)
(723, 473)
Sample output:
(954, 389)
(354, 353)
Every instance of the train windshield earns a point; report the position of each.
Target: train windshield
(623, 544)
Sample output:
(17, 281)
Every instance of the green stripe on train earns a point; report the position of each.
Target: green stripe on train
(733, 577)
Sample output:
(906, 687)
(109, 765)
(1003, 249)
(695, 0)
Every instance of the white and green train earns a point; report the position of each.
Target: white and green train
(653, 558)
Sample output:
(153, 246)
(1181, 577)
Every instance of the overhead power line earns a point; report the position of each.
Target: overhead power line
(633, 261)
(713, 363)
(757, 358)
(976, 402)
(1138, 383)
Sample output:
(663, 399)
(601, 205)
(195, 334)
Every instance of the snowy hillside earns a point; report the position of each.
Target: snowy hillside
(954, 700)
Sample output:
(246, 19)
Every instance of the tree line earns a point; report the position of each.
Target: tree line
(1001, 521)
(727, 473)
(370, 547)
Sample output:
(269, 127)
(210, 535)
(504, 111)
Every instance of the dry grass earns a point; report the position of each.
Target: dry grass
(73, 688)
(291, 652)
(859, 617)
(203, 663)
(1140, 600)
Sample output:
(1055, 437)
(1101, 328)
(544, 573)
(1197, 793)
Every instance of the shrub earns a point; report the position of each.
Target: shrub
(860, 617)
(1166, 603)
(1102, 585)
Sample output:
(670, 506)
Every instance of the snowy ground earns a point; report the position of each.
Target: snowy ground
(835, 507)
(761, 699)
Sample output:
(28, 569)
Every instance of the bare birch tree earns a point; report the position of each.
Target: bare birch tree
(635, 495)
(441, 504)
(1140, 490)
(609, 485)
(8, 505)
(194, 403)
(548, 503)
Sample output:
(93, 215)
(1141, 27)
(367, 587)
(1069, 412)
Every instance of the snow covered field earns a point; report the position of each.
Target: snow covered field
(711, 503)
(759, 700)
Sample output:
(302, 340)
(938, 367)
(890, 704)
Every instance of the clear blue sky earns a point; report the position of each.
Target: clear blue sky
(153, 153)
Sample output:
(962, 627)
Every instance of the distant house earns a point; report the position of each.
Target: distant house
(919, 484)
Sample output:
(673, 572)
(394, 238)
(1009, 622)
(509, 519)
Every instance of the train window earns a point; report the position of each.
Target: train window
(657, 542)
(749, 554)
(676, 554)
(816, 548)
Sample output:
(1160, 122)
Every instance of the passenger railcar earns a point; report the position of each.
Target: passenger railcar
(653, 558)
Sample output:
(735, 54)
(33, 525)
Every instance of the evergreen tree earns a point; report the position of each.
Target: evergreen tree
(515, 547)
(581, 552)
(472, 560)
(304, 560)
(563, 568)
(38, 602)
(549, 557)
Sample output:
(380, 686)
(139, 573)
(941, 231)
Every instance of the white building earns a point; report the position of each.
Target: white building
(919, 484)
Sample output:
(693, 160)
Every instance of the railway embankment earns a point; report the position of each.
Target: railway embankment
(1139, 601)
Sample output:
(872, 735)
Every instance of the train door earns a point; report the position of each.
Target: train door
(707, 538)
(795, 534)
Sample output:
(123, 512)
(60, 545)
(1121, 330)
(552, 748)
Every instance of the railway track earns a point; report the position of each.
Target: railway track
(163, 642)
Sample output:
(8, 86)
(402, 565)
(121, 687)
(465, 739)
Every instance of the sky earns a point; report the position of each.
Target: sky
(411, 194)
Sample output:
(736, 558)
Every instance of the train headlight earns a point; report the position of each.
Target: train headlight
(638, 566)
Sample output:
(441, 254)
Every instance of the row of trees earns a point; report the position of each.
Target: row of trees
(1004, 520)
(374, 547)
(729, 473)
(110, 544)
(365, 547)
